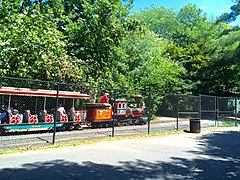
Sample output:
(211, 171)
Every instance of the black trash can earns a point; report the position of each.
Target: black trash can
(195, 125)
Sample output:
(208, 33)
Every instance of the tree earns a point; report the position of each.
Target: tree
(187, 31)
(95, 29)
(222, 73)
(32, 47)
(232, 16)
(160, 20)
(141, 64)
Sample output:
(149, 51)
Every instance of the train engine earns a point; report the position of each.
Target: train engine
(102, 114)
(128, 114)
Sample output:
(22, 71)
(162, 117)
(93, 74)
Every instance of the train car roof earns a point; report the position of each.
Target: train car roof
(42, 93)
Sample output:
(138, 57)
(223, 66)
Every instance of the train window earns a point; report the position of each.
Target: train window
(119, 105)
(122, 105)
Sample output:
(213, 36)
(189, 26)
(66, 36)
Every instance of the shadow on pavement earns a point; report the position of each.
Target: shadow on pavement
(218, 158)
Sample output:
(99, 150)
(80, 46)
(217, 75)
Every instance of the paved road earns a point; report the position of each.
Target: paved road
(212, 154)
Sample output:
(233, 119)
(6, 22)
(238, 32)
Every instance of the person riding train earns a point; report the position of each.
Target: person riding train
(16, 111)
(3, 115)
(61, 109)
(138, 100)
(105, 98)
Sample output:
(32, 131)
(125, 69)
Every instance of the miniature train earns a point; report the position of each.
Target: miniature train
(93, 114)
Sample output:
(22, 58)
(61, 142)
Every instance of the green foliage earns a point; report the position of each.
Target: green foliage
(192, 26)
(184, 27)
(222, 73)
(187, 32)
(31, 46)
(93, 33)
(161, 20)
(141, 60)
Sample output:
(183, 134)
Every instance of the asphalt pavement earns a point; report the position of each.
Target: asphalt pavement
(212, 154)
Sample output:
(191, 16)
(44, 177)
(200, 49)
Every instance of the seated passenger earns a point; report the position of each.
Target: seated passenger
(61, 109)
(71, 113)
(16, 110)
(74, 115)
(63, 116)
(3, 115)
(139, 101)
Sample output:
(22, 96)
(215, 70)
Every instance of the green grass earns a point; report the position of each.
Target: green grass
(93, 141)
(115, 138)
(228, 123)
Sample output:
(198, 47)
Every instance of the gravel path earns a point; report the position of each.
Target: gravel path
(33, 140)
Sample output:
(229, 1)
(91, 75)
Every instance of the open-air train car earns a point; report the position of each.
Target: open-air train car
(38, 108)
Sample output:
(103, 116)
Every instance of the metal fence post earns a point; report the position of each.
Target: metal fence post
(236, 122)
(150, 112)
(217, 113)
(114, 113)
(177, 112)
(200, 106)
(55, 117)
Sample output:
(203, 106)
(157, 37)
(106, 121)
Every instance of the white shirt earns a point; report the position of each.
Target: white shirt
(61, 110)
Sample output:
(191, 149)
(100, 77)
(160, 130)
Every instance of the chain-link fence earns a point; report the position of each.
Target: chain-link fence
(30, 115)
(228, 110)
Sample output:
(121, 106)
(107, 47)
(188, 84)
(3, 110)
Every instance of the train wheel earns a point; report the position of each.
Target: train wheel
(77, 126)
(135, 122)
(120, 123)
(143, 122)
(101, 125)
(58, 129)
(65, 128)
(106, 125)
(110, 124)
(89, 124)
(130, 122)
(97, 125)
(93, 125)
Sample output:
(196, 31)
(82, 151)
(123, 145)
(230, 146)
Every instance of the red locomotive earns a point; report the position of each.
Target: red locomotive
(102, 114)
